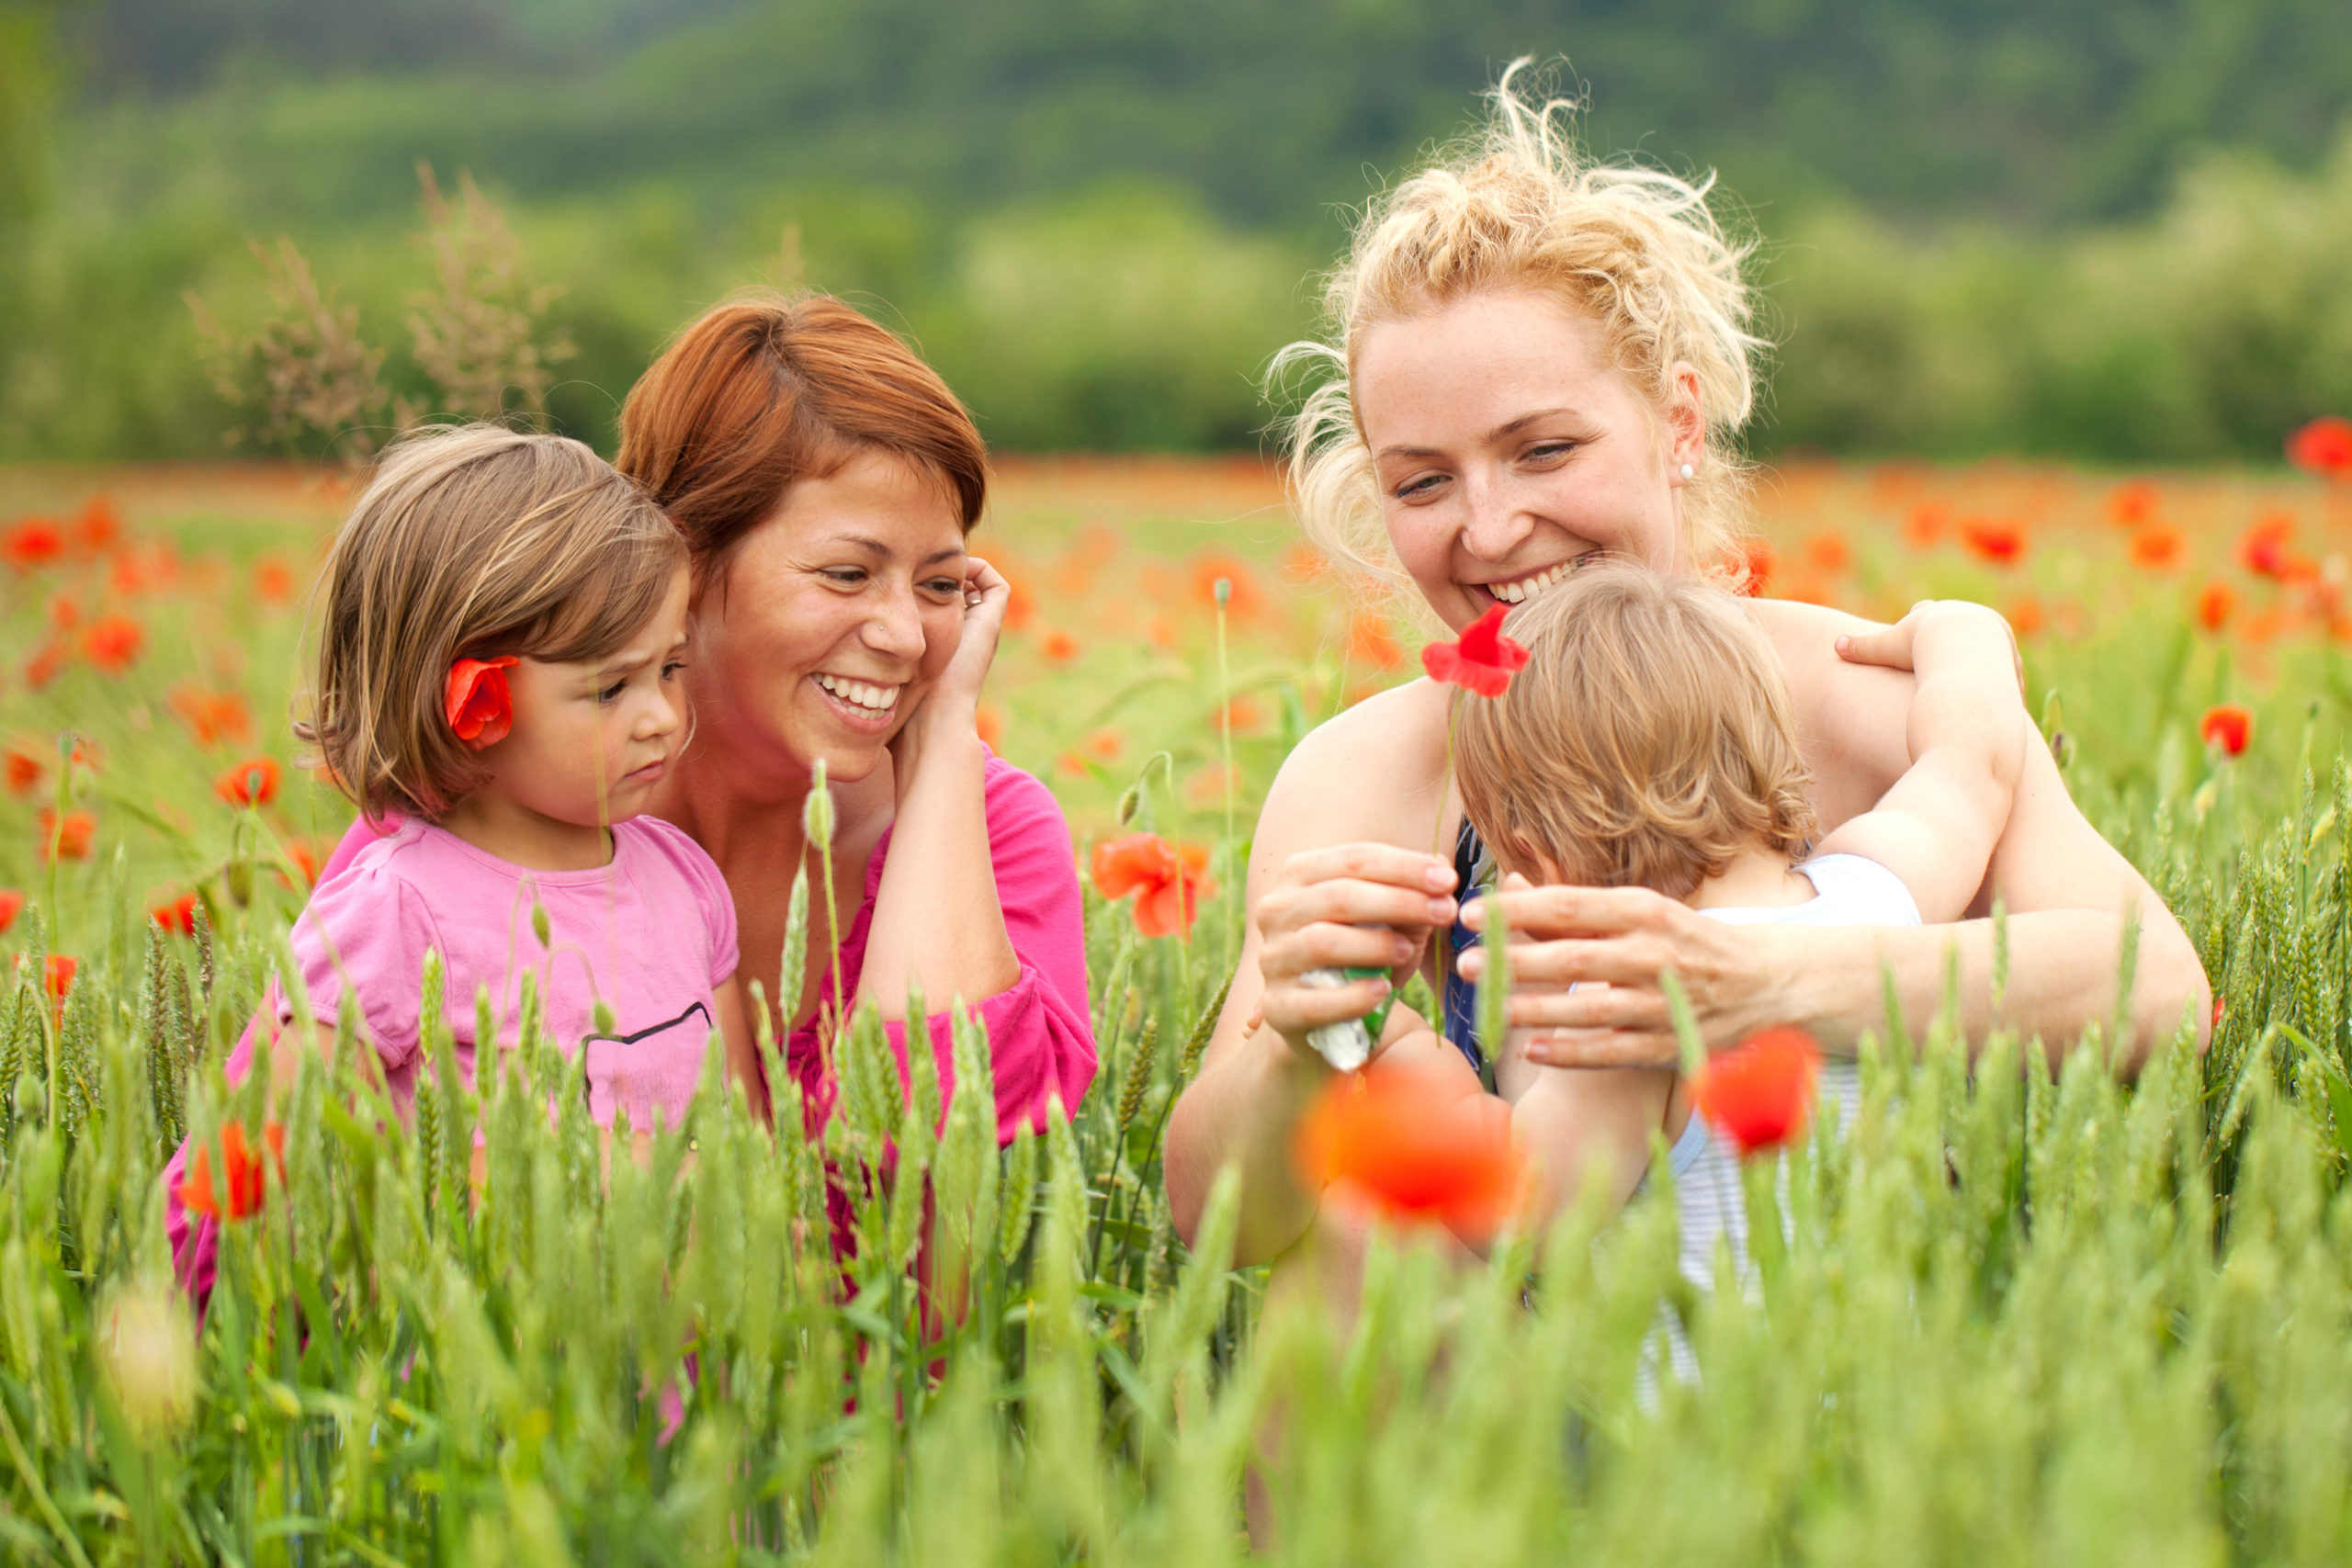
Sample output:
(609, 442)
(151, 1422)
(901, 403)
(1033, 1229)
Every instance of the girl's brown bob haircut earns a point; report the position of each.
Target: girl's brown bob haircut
(472, 541)
(1648, 741)
(765, 390)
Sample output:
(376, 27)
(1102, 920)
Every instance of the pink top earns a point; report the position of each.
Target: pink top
(1041, 1035)
(650, 935)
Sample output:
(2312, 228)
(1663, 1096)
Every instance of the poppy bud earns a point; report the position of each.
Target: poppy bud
(817, 812)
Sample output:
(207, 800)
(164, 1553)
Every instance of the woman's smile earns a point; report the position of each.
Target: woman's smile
(868, 707)
(1526, 586)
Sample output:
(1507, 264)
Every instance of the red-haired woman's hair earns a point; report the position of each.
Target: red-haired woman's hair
(762, 391)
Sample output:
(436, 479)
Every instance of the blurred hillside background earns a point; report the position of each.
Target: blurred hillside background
(2118, 230)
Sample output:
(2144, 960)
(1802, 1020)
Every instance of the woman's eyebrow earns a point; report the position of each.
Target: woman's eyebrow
(875, 546)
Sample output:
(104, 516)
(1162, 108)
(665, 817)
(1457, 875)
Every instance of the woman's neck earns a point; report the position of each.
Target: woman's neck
(740, 806)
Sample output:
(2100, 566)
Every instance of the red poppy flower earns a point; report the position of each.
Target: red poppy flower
(2158, 547)
(213, 716)
(1752, 561)
(23, 769)
(2214, 602)
(113, 643)
(480, 707)
(46, 664)
(1391, 1136)
(33, 542)
(244, 1167)
(1759, 1092)
(1370, 642)
(2135, 503)
(98, 526)
(1998, 541)
(1927, 523)
(178, 916)
(2322, 448)
(273, 581)
(57, 979)
(69, 839)
(306, 861)
(1482, 660)
(1244, 598)
(12, 902)
(2228, 726)
(253, 782)
(1059, 646)
(1169, 880)
(64, 614)
(2263, 547)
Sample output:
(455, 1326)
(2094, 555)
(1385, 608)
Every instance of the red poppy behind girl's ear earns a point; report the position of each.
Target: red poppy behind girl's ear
(480, 708)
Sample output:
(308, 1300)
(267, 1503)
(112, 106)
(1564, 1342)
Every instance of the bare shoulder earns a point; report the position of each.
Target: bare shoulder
(1374, 772)
(1850, 717)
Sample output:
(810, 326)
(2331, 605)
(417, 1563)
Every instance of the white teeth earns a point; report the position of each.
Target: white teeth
(1525, 588)
(880, 699)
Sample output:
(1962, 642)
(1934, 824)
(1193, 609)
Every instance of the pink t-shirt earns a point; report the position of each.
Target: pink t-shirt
(650, 935)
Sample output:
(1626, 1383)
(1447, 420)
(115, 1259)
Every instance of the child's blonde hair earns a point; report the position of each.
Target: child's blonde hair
(472, 541)
(1522, 207)
(1648, 741)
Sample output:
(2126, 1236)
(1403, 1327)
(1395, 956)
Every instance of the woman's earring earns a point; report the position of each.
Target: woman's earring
(1687, 471)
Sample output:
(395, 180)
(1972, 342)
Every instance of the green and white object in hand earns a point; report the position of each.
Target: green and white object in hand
(1347, 1045)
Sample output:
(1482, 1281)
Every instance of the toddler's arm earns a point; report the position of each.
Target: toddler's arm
(1967, 732)
(1581, 1125)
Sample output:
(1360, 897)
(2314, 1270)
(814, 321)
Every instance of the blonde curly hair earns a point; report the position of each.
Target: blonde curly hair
(1521, 206)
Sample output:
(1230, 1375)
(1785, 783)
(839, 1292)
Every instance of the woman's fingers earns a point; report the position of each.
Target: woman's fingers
(1370, 862)
(1605, 1048)
(1591, 1006)
(1350, 902)
(1293, 1009)
(1330, 945)
(1621, 960)
(1559, 911)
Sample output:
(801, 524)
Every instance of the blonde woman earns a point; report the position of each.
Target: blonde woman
(1536, 361)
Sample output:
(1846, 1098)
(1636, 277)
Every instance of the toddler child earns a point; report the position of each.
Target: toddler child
(501, 623)
(1650, 742)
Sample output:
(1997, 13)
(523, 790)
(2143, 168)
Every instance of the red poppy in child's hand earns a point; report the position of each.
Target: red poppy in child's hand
(480, 708)
(253, 782)
(1417, 1149)
(1169, 880)
(244, 1168)
(1759, 1092)
(2228, 726)
(1482, 661)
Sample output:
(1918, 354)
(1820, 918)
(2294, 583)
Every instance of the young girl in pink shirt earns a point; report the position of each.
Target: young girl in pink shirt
(503, 623)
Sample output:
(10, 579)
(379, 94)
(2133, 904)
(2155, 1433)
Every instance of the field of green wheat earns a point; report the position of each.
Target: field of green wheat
(2012, 1317)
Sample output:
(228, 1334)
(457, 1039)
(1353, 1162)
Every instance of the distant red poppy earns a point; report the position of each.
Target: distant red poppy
(1370, 642)
(1751, 563)
(1759, 1092)
(32, 543)
(243, 1166)
(23, 769)
(98, 526)
(2158, 547)
(273, 581)
(64, 611)
(2263, 547)
(1998, 541)
(2214, 602)
(2322, 448)
(2227, 727)
(1927, 523)
(1828, 551)
(253, 782)
(1481, 661)
(2135, 503)
(57, 979)
(213, 716)
(113, 643)
(1399, 1138)
(69, 839)
(1059, 646)
(177, 916)
(990, 723)
(1244, 598)
(46, 664)
(305, 857)
(1169, 880)
(12, 902)
(478, 705)
(2026, 616)
(1020, 605)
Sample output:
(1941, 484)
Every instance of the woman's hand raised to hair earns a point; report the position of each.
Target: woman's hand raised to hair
(1326, 910)
(954, 699)
(1612, 944)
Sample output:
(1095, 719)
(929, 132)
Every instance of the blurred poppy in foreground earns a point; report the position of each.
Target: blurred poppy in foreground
(242, 1164)
(1169, 880)
(113, 643)
(1482, 660)
(69, 839)
(1760, 1093)
(253, 782)
(2322, 448)
(2228, 726)
(1406, 1140)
